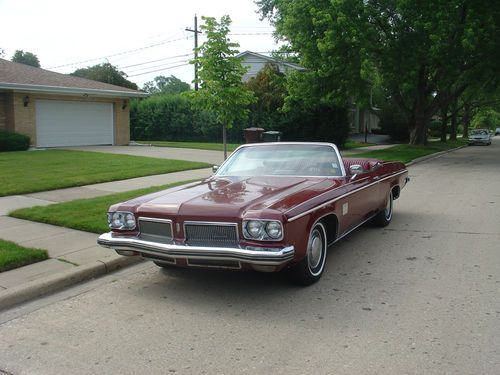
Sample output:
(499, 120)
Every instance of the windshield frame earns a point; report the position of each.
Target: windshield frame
(333, 146)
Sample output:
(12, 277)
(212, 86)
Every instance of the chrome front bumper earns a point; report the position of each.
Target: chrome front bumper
(172, 251)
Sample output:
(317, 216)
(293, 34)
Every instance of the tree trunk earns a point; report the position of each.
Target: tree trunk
(418, 127)
(444, 121)
(453, 131)
(224, 140)
(466, 121)
(420, 120)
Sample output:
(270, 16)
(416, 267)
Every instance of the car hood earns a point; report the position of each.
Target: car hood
(232, 197)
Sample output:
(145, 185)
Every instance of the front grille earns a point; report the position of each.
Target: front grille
(155, 230)
(211, 235)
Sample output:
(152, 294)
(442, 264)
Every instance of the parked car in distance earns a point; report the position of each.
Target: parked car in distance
(480, 137)
(497, 131)
(268, 207)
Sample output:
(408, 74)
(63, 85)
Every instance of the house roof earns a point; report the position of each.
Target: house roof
(271, 60)
(22, 77)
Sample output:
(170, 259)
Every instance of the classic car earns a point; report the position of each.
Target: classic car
(480, 137)
(268, 207)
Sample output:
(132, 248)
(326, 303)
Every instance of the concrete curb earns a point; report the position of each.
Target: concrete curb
(60, 280)
(433, 156)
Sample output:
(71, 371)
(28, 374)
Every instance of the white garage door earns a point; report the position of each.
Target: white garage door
(65, 123)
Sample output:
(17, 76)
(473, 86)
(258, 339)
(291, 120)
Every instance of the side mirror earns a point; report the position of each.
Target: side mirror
(355, 170)
(215, 168)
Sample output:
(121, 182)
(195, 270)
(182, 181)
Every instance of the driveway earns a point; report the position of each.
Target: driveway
(418, 297)
(207, 156)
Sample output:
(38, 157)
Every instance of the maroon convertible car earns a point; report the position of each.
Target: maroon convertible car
(268, 207)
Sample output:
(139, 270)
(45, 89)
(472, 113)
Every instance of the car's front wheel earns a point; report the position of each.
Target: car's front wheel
(311, 267)
(384, 217)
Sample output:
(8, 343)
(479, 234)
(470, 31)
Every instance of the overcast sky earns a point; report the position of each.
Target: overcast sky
(143, 38)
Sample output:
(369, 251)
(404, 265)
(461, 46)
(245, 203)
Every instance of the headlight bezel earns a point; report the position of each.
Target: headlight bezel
(262, 234)
(122, 220)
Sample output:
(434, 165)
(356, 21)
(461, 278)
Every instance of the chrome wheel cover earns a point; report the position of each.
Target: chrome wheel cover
(388, 208)
(316, 251)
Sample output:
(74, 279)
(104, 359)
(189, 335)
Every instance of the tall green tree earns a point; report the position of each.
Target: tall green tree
(220, 73)
(166, 85)
(425, 54)
(27, 58)
(106, 73)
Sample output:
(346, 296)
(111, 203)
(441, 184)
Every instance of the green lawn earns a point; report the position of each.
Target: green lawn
(84, 214)
(407, 153)
(353, 144)
(14, 256)
(31, 171)
(196, 145)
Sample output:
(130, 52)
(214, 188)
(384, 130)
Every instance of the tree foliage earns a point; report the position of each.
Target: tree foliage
(166, 85)
(219, 76)
(27, 58)
(424, 54)
(106, 73)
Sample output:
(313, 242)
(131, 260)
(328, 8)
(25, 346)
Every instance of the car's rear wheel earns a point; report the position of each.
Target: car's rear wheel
(311, 267)
(384, 217)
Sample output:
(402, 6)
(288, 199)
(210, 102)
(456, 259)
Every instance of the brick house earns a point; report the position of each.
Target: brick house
(61, 110)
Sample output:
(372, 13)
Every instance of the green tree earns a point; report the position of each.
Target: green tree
(166, 85)
(106, 73)
(424, 53)
(219, 76)
(27, 58)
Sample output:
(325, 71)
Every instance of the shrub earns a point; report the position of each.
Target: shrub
(13, 141)
(173, 117)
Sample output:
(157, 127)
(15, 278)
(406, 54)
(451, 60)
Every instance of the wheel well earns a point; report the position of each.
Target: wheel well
(395, 192)
(331, 225)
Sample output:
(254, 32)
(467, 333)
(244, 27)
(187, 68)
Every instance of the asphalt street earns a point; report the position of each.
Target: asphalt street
(418, 297)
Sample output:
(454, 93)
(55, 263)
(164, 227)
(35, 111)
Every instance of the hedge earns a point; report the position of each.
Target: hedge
(13, 141)
(174, 118)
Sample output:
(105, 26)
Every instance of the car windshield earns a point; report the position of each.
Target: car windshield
(479, 132)
(283, 160)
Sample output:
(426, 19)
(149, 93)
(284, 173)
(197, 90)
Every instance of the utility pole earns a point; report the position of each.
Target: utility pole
(196, 32)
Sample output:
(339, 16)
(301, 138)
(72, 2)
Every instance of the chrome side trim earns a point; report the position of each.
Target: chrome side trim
(338, 198)
(169, 251)
(354, 228)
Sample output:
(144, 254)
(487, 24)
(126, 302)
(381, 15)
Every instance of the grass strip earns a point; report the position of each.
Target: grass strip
(196, 145)
(32, 171)
(353, 144)
(84, 214)
(407, 153)
(14, 256)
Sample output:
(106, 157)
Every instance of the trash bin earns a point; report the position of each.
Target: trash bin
(271, 136)
(252, 135)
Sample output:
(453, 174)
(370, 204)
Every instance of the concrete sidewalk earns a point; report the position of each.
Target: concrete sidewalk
(74, 255)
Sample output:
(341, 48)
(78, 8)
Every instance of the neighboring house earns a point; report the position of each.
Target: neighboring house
(359, 118)
(256, 62)
(61, 110)
(363, 119)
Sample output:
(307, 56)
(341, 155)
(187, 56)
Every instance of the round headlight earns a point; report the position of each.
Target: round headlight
(116, 220)
(254, 228)
(130, 221)
(273, 229)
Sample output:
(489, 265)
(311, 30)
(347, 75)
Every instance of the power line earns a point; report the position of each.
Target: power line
(153, 61)
(157, 66)
(159, 70)
(122, 53)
